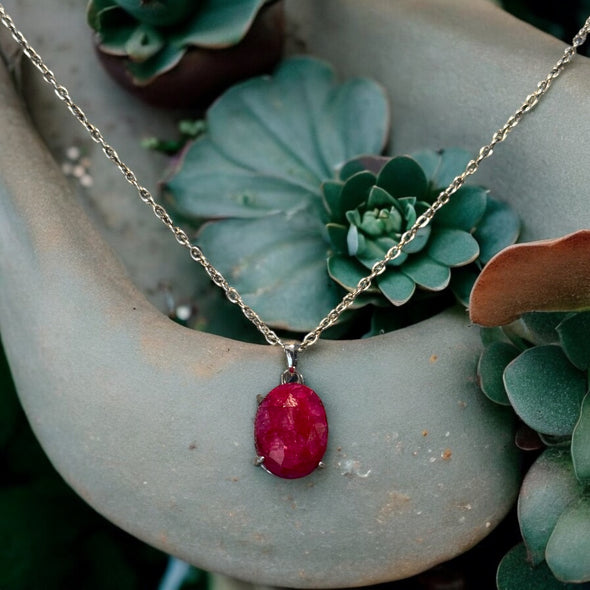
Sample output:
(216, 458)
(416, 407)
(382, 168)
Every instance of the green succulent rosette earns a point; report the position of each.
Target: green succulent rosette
(376, 200)
(155, 34)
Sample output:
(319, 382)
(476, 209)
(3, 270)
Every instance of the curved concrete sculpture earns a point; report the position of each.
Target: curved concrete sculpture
(151, 423)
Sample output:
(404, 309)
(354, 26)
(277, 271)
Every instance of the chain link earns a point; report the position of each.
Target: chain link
(378, 268)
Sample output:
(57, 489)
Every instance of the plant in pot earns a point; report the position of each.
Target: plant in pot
(179, 53)
(294, 195)
(538, 363)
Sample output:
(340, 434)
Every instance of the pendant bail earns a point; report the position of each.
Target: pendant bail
(291, 374)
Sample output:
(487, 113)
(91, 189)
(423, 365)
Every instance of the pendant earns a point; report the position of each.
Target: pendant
(290, 428)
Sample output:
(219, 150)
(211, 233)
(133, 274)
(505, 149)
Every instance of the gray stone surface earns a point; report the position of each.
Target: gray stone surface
(151, 423)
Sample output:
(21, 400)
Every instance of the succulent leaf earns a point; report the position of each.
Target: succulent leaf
(516, 573)
(403, 177)
(498, 229)
(490, 370)
(548, 488)
(175, 24)
(278, 271)
(569, 545)
(453, 247)
(574, 337)
(397, 287)
(443, 166)
(465, 210)
(545, 389)
(581, 443)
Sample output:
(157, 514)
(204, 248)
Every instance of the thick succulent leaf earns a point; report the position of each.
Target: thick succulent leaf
(219, 23)
(574, 337)
(490, 370)
(541, 327)
(356, 190)
(465, 209)
(346, 271)
(452, 247)
(396, 286)
(113, 39)
(379, 198)
(581, 444)
(550, 275)
(372, 163)
(462, 280)
(545, 389)
(163, 61)
(338, 236)
(568, 549)
(226, 190)
(143, 43)
(443, 166)
(94, 10)
(426, 272)
(548, 488)
(331, 192)
(278, 265)
(498, 229)
(284, 131)
(403, 177)
(516, 573)
(418, 243)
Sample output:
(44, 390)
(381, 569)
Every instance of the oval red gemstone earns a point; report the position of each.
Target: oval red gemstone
(291, 430)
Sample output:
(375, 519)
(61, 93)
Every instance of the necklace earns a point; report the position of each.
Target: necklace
(291, 428)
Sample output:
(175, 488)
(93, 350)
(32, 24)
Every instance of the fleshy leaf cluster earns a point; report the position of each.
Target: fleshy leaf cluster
(540, 366)
(295, 212)
(369, 211)
(155, 34)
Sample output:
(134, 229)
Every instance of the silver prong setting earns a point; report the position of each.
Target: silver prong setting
(259, 398)
(259, 461)
(321, 465)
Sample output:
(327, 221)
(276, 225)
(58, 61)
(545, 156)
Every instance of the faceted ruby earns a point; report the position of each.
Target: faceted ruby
(291, 430)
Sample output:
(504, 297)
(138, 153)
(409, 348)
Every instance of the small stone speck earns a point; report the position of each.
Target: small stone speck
(192, 446)
(433, 358)
(446, 454)
(425, 433)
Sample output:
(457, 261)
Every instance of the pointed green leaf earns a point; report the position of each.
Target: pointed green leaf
(219, 23)
(163, 61)
(498, 229)
(452, 247)
(426, 272)
(515, 573)
(548, 488)
(338, 236)
(379, 198)
(465, 209)
(545, 389)
(442, 167)
(403, 177)
(581, 443)
(346, 271)
(568, 549)
(574, 336)
(143, 43)
(397, 287)
(331, 191)
(490, 370)
(277, 263)
(356, 190)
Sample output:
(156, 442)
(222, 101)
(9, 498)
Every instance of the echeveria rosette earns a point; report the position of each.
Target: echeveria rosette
(155, 34)
(370, 209)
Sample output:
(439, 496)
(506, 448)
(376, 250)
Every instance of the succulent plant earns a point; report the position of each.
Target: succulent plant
(156, 34)
(368, 212)
(540, 366)
(280, 177)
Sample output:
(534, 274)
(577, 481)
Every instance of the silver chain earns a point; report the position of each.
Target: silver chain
(377, 269)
